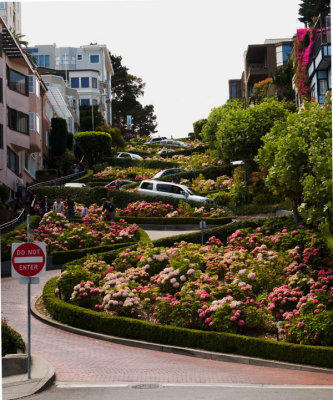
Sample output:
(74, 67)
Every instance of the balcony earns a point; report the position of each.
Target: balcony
(323, 30)
(17, 140)
(35, 142)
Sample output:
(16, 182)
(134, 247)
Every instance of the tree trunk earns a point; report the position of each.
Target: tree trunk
(297, 217)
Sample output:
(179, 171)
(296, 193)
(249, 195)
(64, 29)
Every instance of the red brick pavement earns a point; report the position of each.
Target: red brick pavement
(81, 359)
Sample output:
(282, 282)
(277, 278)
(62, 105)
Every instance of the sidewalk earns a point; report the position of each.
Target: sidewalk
(17, 386)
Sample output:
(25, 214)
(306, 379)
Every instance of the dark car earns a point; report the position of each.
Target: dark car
(117, 184)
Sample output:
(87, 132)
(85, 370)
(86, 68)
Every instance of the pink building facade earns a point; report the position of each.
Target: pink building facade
(22, 103)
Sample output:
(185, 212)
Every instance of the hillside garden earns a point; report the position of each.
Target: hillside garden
(249, 277)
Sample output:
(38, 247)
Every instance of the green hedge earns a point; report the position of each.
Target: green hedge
(86, 177)
(211, 341)
(177, 221)
(223, 232)
(11, 341)
(211, 172)
(83, 195)
(62, 257)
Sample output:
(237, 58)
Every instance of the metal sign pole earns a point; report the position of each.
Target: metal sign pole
(29, 313)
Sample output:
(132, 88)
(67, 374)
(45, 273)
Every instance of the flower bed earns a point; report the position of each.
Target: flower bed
(60, 234)
(138, 173)
(160, 209)
(246, 285)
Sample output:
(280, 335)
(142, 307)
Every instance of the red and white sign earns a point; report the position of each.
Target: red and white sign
(28, 259)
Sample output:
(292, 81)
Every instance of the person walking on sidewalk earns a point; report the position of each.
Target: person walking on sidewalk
(109, 210)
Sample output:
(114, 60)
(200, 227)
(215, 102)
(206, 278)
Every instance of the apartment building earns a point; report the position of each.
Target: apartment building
(260, 62)
(22, 103)
(87, 69)
(10, 12)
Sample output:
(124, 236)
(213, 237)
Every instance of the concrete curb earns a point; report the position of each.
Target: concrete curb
(175, 349)
(18, 386)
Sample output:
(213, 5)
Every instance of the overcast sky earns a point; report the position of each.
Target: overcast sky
(184, 50)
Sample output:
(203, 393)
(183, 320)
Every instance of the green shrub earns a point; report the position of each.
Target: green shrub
(11, 340)
(4, 193)
(93, 145)
(86, 177)
(83, 195)
(264, 198)
(221, 198)
(240, 194)
(46, 172)
(212, 341)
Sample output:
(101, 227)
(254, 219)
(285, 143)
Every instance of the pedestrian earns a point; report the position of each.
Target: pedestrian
(84, 211)
(58, 206)
(45, 205)
(19, 186)
(70, 207)
(109, 210)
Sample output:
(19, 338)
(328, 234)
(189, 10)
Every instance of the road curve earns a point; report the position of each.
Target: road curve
(82, 359)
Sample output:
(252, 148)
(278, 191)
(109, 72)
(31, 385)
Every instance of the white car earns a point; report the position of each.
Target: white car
(170, 189)
(166, 172)
(129, 155)
(155, 140)
(75, 184)
(176, 143)
(165, 151)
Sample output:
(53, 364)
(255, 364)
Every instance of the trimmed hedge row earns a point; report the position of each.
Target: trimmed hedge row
(86, 177)
(223, 232)
(177, 221)
(11, 340)
(62, 257)
(163, 334)
(85, 195)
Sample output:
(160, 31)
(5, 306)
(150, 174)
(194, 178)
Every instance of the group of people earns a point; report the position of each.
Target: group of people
(43, 207)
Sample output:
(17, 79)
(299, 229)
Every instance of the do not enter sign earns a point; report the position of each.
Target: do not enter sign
(28, 259)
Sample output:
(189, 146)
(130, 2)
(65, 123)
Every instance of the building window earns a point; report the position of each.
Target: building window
(79, 57)
(18, 121)
(12, 161)
(74, 83)
(1, 136)
(234, 90)
(1, 91)
(17, 81)
(26, 161)
(94, 59)
(37, 87)
(85, 102)
(94, 83)
(2, 5)
(32, 121)
(31, 84)
(48, 111)
(84, 82)
(37, 124)
(47, 139)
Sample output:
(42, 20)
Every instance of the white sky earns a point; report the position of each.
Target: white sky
(185, 50)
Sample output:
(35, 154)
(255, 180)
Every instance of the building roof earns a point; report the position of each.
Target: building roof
(58, 102)
(275, 41)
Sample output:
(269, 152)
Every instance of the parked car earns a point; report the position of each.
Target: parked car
(176, 143)
(119, 184)
(128, 155)
(170, 189)
(165, 151)
(75, 184)
(169, 171)
(155, 140)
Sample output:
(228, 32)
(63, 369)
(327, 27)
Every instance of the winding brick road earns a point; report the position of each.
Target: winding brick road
(81, 359)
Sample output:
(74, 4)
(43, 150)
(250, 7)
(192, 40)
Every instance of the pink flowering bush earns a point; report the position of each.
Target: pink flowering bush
(137, 173)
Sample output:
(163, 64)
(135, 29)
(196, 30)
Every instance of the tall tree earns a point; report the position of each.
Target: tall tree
(90, 118)
(309, 9)
(126, 89)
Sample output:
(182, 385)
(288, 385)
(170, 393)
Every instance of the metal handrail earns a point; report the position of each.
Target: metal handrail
(15, 221)
(54, 182)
